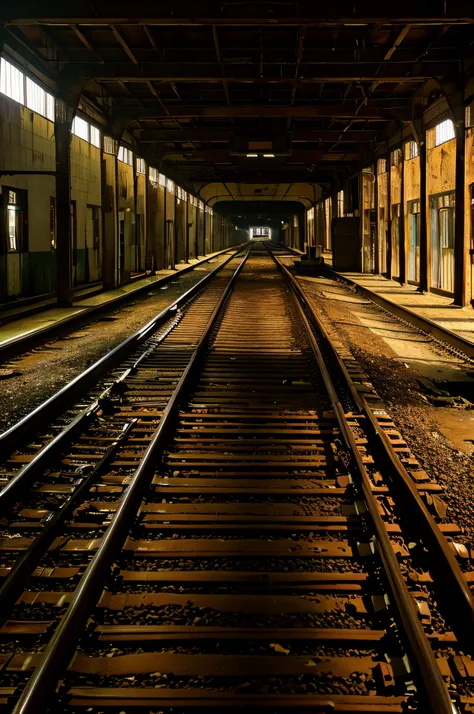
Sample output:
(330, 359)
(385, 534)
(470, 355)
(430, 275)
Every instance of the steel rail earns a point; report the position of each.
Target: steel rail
(28, 425)
(10, 588)
(19, 345)
(444, 561)
(443, 334)
(23, 479)
(435, 688)
(60, 649)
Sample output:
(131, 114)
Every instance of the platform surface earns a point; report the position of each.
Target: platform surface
(437, 308)
(16, 329)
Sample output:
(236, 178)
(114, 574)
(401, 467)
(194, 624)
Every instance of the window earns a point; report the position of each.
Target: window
(340, 204)
(396, 157)
(12, 82)
(80, 128)
(95, 136)
(12, 222)
(444, 132)
(411, 150)
(109, 145)
(170, 185)
(469, 115)
(125, 155)
(16, 224)
(140, 166)
(381, 166)
(153, 175)
(38, 100)
(162, 180)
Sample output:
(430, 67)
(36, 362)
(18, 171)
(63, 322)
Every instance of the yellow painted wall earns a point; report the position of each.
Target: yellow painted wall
(27, 143)
(86, 192)
(126, 205)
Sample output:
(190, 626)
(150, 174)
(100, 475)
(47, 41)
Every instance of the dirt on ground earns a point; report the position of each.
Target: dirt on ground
(40, 373)
(417, 378)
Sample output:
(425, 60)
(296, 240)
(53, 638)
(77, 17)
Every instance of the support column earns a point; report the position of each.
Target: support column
(389, 216)
(423, 216)
(175, 231)
(204, 229)
(186, 235)
(460, 243)
(62, 134)
(376, 210)
(401, 226)
(135, 207)
(196, 232)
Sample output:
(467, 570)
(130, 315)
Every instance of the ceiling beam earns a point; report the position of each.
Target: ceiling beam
(397, 42)
(348, 110)
(81, 36)
(124, 45)
(309, 73)
(299, 59)
(219, 59)
(225, 135)
(302, 156)
(371, 12)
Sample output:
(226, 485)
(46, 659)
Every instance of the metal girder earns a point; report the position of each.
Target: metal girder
(80, 34)
(124, 45)
(224, 135)
(332, 69)
(301, 156)
(416, 12)
(221, 65)
(243, 175)
(267, 110)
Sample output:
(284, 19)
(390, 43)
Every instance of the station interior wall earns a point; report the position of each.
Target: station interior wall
(391, 232)
(121, 222)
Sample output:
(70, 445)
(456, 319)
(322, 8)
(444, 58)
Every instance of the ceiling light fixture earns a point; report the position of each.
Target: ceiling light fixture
(269, 156)
(252, 156)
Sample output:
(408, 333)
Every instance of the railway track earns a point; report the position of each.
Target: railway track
(14, 347)
(228, 525)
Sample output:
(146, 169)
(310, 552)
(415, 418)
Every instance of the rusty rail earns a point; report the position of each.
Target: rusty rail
(60, 649)
(27, 426)
(436, 690)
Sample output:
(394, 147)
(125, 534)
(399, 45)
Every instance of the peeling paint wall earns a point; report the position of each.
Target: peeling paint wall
(85, 193)
(27, 144)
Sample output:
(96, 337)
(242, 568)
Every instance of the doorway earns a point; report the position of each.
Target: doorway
(414, 242)
(442, 241)
(14, 245)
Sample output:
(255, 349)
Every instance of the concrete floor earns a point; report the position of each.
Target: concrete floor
(437, 308)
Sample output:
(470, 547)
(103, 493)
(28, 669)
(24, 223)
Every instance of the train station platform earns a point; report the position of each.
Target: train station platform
(429, 311)
(47, 317)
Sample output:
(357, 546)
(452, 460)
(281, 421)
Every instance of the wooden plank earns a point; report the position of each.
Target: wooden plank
(191, 698)
(258, 604)
(219, 666)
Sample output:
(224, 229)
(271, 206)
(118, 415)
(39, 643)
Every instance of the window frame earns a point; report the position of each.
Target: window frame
(444, 132)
